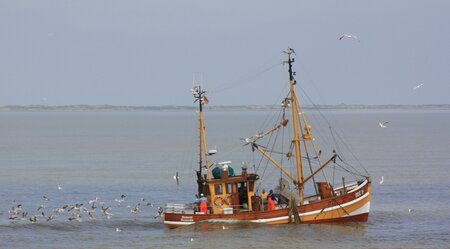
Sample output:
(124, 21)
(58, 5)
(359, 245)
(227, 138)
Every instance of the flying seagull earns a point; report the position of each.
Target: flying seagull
(176, 177)
(382, 180)
(107, 213)
(318, 155)
(418, 86)
(289, 50)
(383, 125)
(93, 201)
(349, 37)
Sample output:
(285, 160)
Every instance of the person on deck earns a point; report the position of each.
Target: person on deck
(263, 197)
(203, 203)
(271, 199)
(196, 203)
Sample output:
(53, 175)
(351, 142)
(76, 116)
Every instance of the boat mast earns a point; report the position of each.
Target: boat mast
(295, 125)
(199, 96)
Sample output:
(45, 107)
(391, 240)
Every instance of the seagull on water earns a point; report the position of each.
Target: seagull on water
(91, 217)
(15, 210)
(383, 125)
(14, 216)
(76, 218)
(33, 219)
(118, 229)
(120, 199)
(349, 37)
(159, 213)
(51, 217)
(46, 198)
(136, 209)
(382, 180)
(24, 216)
(59, 187)
(93, 208)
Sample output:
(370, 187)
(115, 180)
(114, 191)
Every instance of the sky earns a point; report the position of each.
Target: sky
(149, 52)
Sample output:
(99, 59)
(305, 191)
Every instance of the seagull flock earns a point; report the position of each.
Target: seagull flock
(76, 212)
(381, 124)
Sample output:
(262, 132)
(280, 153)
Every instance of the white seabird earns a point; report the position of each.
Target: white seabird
(349, 37)
(120, 199)
(176, 177)
(136, 209)
(383, 125)
(418, 86)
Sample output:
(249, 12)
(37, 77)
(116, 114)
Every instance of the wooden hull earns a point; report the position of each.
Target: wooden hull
(351, 207)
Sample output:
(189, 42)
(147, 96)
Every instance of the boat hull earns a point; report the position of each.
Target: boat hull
(351, 207)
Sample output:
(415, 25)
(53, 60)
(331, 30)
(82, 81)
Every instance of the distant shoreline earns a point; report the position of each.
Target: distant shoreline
(113, 108)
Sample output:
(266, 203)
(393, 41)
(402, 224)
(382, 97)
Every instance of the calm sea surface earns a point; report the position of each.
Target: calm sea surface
(107, 155)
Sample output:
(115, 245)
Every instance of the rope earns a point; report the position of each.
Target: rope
(337, 134)
(245, 80)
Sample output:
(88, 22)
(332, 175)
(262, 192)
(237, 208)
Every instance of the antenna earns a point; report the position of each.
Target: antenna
(197, 78)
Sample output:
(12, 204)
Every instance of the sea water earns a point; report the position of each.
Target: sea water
(136, 154)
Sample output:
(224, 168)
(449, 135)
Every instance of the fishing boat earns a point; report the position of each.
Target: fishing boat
(235, 197)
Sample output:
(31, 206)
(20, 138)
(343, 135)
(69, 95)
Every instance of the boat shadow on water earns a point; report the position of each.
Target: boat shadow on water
(220, 225)
(338, 229)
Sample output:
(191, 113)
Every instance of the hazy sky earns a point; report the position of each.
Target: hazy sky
(146, 52)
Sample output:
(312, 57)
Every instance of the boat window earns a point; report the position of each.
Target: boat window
(218, 189)
(229, 188)
(242, 185)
